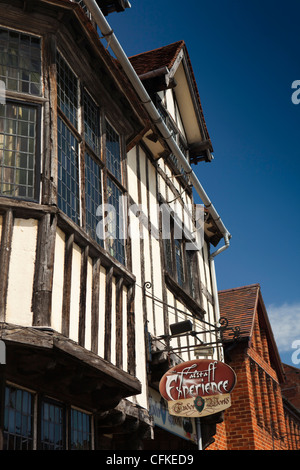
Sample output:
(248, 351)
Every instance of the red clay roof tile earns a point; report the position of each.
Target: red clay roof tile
(238, 306)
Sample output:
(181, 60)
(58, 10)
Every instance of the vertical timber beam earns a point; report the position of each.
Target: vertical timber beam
(95, 304)
(108, 313)
(43, 277)
(131, 330)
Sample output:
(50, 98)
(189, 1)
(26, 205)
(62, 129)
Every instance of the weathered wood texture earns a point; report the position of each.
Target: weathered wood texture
(44, 264)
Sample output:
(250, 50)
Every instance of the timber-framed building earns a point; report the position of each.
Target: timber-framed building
(84, 316)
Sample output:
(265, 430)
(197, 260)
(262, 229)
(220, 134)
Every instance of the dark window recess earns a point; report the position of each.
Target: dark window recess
(113, 152)
(52, 426)
(179, 262)
(18, 419)
(20, 62)
(18, 148)
(68, 177)
(81, 434)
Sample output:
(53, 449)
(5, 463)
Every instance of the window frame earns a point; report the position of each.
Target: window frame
(171, 265)
(9, 385)
(37, 153)
(21, 98)
(99, 156)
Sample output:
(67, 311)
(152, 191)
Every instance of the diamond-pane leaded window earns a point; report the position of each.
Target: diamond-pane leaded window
(67, 90)
(18, 419)
(68, 172)
(17, 150)
(93, 196)
(20, 62)
(113, 152)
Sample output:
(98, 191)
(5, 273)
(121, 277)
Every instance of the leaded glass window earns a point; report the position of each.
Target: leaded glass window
(18, 419)
(67, 91)
(81, 432)
(91, 124)
(20, 62)
(68, 172)
(115, 228)
(18, 134)
(179, 261)
(52, 426)
(113, 152)
(93, 196)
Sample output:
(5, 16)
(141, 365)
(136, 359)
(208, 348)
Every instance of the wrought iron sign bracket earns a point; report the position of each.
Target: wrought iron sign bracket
(217, 329)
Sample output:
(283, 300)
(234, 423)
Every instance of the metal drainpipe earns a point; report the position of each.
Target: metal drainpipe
(112, 41)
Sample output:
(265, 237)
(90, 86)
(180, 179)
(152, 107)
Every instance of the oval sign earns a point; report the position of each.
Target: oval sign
(198, 388)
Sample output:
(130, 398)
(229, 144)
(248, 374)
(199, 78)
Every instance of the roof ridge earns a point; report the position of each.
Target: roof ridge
(158, 48)
(233, 289)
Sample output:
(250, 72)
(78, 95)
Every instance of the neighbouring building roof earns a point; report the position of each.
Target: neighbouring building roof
(238, 306)
(157, 58)
(242, 307)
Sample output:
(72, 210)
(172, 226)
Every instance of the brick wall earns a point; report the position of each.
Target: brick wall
(255, 421)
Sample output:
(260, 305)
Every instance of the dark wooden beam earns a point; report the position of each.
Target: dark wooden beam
(44, 265)
(108, 313)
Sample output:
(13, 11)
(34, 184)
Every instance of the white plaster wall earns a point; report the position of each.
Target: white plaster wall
(21, 272)
(102, 295)
(58, 281)
(75, 292)
(124, 330)
(88, 305)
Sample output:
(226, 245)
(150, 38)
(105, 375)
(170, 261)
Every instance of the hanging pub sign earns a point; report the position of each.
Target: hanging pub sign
(198, 388)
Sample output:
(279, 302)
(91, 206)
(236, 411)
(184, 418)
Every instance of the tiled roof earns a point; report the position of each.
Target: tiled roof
(238, 306)
(152, 60)
(166, 56)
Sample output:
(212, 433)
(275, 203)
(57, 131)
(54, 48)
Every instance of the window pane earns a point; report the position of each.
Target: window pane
(52, 427)
(68, 178)
(20, 62)
(67, 90)
(91, 124)
(17, 151)
(179, 262)
(18, 419)
(113, 152)
(191, 268)
(93, 196)
(81, 436)
(115, 228)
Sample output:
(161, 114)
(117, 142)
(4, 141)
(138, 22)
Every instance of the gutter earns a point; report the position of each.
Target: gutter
(145, 99)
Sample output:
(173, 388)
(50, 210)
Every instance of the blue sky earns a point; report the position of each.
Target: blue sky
(245, 56)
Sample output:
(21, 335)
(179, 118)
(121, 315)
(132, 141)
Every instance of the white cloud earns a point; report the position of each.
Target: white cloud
(285, 323)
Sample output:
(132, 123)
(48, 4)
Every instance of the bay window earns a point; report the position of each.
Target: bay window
(82, 169)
